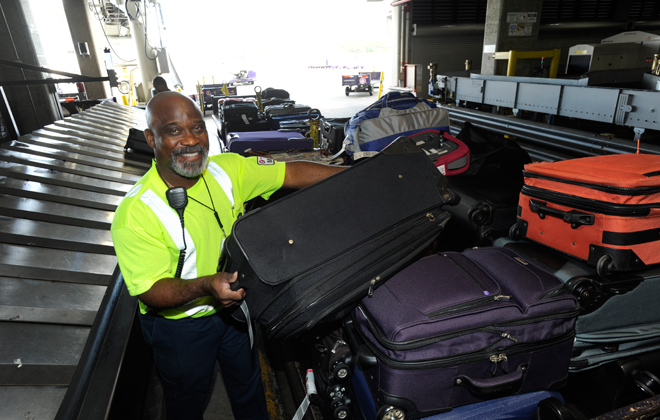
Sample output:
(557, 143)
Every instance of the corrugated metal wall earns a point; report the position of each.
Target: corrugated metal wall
(583, 21)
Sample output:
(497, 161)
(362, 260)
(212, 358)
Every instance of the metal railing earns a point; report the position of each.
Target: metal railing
(90, 393)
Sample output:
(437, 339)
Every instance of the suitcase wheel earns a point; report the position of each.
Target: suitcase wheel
(481, 213)
(341, 371)
(647, 382)
(514, 232)
(341, 412)
(336, 392)
(604, 266)
(553, 409)
(391, 413)
(339, 402)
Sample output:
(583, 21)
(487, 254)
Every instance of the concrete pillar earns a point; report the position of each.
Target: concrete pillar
(35, 106)
(84, 27)
(146, 60)
(510, 25)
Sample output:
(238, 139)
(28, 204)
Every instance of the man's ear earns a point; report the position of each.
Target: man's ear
(150, 138)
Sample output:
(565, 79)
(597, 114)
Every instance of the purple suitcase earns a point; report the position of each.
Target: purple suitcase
(515, 407)
(458, 328)
(266, 141)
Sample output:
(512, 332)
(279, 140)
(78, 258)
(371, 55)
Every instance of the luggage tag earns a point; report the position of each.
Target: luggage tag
(310, 385)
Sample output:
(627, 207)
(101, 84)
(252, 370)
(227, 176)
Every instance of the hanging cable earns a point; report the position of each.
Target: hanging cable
(146, 35)
(100, 19)
(137, 10)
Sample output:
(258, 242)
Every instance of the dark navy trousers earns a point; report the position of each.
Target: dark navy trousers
(185, 352)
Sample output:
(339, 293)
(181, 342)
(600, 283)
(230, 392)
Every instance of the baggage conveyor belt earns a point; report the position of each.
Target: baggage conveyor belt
(59, 187)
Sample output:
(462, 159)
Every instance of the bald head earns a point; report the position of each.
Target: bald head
(177, 133)
(161, 102)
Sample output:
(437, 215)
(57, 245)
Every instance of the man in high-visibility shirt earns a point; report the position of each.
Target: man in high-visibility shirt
(181, 299)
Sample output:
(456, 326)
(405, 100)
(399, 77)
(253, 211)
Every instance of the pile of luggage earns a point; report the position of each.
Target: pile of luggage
(271, 121)
(460, 279)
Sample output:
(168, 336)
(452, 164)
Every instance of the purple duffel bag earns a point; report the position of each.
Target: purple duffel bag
(459, 328)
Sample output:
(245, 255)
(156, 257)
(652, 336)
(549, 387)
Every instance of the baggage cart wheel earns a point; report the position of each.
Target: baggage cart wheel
(348, 90)
(390, 413)
(604, 266)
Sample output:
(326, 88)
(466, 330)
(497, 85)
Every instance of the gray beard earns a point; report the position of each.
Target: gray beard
(189, 169)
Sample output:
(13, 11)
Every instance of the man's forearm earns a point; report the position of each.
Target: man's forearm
(300, 174)
(170, 293)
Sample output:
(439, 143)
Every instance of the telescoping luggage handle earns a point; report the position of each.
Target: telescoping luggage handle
(574, 217)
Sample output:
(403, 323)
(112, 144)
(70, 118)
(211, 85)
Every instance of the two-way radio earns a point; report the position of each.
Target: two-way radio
(177, 197)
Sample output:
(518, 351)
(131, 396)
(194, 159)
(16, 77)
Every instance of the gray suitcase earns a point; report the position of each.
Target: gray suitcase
(619, 316)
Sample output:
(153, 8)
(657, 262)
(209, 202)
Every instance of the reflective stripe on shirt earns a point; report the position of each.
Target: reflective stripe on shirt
(170, 219)
(223, 179)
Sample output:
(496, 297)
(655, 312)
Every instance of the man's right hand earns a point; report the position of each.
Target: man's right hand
(220, 288)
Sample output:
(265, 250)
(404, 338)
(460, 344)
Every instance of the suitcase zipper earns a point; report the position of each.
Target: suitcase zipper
(371, 284)
(304, 299)
(595, 206)
(469, 274)
(469, 305)
(421, 342)
(474, 303)
(600, 187)
(477, 356)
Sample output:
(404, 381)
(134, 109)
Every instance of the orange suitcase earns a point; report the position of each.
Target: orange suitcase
(604, 210)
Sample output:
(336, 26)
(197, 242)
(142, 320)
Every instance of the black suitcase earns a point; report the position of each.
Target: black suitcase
(300, 126)
(333, 364)
(137, 143)
(242, 116)
(276, 101)
(486, 211)
(492, 154)
(489, 189)
(615, 384)
(274, 93)
(300, 268)
(332, 130)
(286, 109)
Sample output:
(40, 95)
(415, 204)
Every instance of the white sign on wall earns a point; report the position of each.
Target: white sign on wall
(521, 23)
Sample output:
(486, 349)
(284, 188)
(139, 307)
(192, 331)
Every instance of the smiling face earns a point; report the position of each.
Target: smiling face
(177, 133)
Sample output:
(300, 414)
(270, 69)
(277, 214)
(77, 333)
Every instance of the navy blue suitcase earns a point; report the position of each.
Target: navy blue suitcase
(245, 143)
(458, 328)
(515, 407)
(276, 119)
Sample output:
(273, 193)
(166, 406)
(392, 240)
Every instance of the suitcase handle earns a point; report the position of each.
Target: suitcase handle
(363, 356)
(574, 217)
(494, 387)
